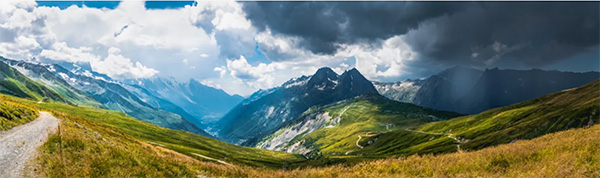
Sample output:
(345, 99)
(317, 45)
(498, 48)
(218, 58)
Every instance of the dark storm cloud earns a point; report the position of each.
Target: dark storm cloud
(480, 33)
(534, 34)
(323, 24)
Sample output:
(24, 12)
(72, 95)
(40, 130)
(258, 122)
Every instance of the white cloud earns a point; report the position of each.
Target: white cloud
(231, 20)
(20, 48)
(389, 61)
(207, 41)
(119, 67)
(222, 71)
(259, 76)
(60, 51)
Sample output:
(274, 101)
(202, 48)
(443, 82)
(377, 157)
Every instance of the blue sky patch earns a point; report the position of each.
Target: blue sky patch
(93, 4)
(167, 4)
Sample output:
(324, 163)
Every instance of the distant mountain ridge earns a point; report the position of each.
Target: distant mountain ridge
(469, 91)
(204, 104)
(13, 82)
(39, 73)
(267, 109)
(115, 97)
(497, 88)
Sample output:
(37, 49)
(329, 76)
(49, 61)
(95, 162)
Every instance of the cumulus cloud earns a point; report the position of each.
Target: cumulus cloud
(117, 66)
(258, 76)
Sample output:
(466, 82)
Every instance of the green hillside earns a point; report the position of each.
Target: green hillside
(40, 74)
(573, 108)
(12, 82)
(570, 153)
(94, 142)
(347, 121)
(103, 143)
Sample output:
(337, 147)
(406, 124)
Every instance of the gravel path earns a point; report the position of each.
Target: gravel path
(19, 144)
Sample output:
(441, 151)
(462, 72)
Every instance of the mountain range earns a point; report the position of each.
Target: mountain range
(204, 104)
(13, 82)
(333, 129)
(268, 109)
(310, 121)
(260, 119)
(41, 75)
(373, 126)
(469, 91)
(79, 86)
(116, 97)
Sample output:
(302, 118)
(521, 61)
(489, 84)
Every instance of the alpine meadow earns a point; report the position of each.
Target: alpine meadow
(299, 89)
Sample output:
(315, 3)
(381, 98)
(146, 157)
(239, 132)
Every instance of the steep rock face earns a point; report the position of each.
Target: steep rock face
(200, 103)
(42, 75)
(497, 88)
(115, 97)
(268, 109)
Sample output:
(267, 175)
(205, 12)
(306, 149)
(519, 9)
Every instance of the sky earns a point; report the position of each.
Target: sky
(241, 47)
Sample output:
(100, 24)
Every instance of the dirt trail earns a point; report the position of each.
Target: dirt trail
(360, 137)
(358, 145)
(209, 158)
(449, 135)
(19, 144)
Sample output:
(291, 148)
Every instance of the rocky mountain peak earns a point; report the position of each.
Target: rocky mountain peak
(353, 83)
(324, 78)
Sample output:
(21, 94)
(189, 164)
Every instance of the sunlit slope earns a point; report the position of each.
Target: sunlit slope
(13, 113)
(97, 142)
(570, 153)
(335, 129)
(563, 110)
(95, 148)
(40, 74)
(12, 82)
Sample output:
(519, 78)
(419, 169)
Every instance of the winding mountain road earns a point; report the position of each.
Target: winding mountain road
(19, 144)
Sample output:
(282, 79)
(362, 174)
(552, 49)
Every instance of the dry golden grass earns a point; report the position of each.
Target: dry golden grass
(571, 153)
(13, 113)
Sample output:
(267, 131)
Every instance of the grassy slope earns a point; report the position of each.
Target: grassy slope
(96, 142)
(551, 113)
(92, 147)
(366, 114)
(570, 153)
(13, 113)
(14, 83)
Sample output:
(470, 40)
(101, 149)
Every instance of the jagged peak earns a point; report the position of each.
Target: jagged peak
(325, 71)
(323, 78)
(353, 73)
